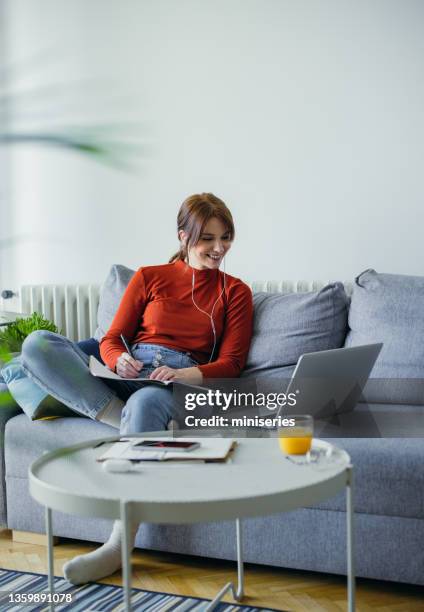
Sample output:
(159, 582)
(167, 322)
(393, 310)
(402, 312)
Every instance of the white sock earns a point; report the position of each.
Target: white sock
(111, 413)
(102, 562)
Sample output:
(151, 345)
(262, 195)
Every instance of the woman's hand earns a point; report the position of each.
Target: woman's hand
(127, 366)
(164, 373)
(189, 375)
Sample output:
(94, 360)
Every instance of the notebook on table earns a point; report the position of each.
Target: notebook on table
(210, 449)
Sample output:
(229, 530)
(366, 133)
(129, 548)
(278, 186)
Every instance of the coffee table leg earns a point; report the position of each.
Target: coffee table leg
(350, 545)
(50, 564)
(125, 547)
(237, 594)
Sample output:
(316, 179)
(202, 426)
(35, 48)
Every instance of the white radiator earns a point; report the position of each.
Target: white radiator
(73, 308)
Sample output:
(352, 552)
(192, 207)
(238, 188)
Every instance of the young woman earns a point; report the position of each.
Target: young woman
(185, 320)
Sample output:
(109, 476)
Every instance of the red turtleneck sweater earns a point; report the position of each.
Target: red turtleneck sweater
(157, 308)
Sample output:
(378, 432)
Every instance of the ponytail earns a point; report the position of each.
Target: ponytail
(179, 255)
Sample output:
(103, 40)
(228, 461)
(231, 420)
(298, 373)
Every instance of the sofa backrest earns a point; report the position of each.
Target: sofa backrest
(73, 308)
(294, 286)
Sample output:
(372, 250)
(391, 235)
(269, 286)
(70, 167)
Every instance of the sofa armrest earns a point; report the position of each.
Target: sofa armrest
(8, 409)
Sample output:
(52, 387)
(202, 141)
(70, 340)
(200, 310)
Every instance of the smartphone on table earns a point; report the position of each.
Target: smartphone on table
(166, 445)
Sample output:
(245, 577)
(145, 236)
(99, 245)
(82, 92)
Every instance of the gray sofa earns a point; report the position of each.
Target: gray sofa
(389, 472)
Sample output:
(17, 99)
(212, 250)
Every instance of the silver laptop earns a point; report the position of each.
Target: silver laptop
(326, 383)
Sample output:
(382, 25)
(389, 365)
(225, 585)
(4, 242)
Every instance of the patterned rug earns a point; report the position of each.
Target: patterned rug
(28, 592)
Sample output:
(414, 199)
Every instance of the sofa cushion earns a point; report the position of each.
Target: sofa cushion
(41, 436)
(388, 308)
(389, 479)
(110, 296)
(288, 325)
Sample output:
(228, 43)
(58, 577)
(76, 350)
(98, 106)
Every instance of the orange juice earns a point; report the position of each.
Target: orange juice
(295, 440)
(296, 446)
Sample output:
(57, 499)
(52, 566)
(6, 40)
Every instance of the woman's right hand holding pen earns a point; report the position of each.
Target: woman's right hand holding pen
(127, 366)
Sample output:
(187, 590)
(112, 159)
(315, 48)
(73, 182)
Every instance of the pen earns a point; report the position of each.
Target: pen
(127, 348)
(111, 442)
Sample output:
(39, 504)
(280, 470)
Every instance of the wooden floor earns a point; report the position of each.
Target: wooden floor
(277, 588)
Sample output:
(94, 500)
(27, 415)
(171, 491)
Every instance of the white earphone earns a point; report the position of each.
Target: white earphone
(210, 316)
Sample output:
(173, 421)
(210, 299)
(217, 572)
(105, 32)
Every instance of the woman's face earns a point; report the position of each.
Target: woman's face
(213, 244)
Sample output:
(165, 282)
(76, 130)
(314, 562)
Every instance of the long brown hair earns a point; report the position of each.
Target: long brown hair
(193, 215)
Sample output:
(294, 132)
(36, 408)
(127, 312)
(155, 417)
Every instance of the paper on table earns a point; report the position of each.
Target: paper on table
(211, 449)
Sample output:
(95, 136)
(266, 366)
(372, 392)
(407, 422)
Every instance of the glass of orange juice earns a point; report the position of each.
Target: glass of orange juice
(296, 439)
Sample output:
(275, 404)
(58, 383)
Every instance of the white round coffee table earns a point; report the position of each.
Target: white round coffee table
(257, 480)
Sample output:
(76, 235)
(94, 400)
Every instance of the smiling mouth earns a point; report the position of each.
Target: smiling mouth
(214, 257)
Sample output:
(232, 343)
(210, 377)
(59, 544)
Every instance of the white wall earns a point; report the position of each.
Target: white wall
(305, 116)
(6, 262)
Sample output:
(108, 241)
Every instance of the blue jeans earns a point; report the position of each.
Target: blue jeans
(60, 367)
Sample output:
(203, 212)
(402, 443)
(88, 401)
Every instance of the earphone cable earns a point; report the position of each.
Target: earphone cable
(210, 316)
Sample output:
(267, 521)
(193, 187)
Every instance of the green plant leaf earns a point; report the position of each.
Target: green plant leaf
(13, 335)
